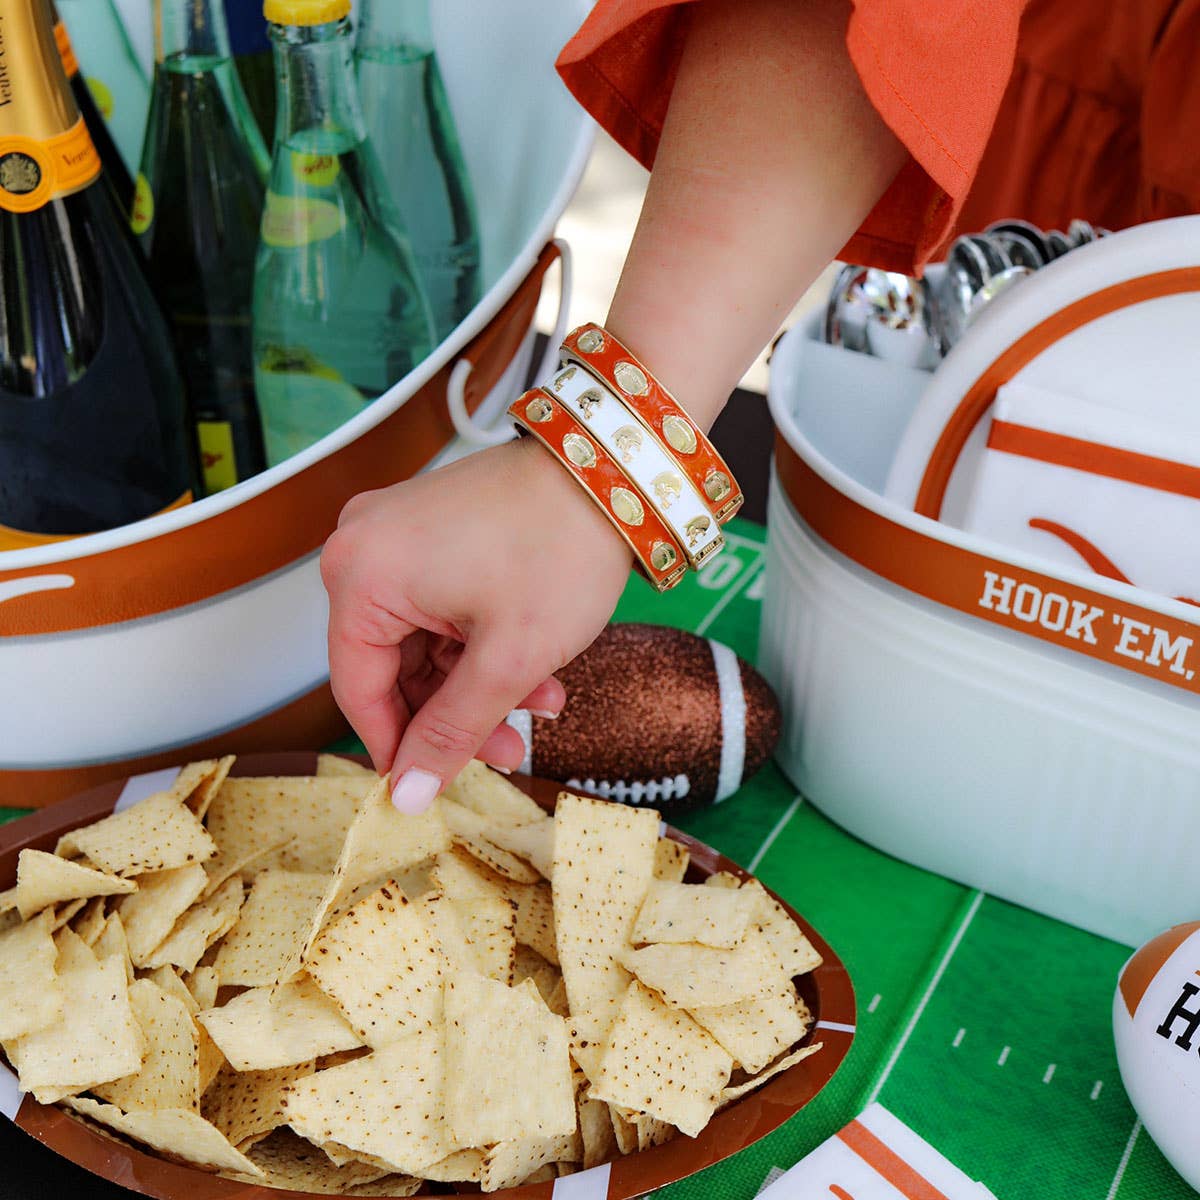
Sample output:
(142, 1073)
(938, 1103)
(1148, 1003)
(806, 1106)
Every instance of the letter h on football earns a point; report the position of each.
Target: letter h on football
(1190, 1015)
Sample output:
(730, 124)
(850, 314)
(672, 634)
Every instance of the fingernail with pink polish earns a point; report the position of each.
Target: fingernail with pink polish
(502, 770)
(545, 713)
(415, 791)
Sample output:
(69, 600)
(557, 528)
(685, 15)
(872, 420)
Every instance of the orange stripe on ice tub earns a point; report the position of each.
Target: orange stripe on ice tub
(882, 1159)
(270, 530)
(1150, 643)
(979, 397)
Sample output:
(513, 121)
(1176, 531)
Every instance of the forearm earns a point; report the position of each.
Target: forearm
(770, 159)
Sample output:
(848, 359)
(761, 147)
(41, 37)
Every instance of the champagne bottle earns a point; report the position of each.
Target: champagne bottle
(409, 121)
(94, 430)
(114, 79)
(198, 209)
(253, 58)
(339, 312)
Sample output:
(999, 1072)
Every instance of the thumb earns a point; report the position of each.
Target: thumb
(445, 733)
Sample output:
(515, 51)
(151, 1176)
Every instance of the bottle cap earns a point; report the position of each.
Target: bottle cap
(305, 12)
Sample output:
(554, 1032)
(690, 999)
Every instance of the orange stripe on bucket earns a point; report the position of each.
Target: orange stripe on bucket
(880, 1157)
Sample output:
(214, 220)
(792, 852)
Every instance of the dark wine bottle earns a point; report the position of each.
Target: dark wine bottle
(254, 60)
(200, 198)
(94, 428)
(115, 170)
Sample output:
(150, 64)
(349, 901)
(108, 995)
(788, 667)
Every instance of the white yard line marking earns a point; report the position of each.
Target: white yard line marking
(1096, 1090)
(773, 1174)
(739, 583)
(937, 978)
(1003, 1056)
(836, 1026)
(1049, 1075)
(875, 999)
(958, 1037)
(752, 866)
(1116, 1183)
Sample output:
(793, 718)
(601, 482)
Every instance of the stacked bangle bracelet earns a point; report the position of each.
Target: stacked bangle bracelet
(621, 434)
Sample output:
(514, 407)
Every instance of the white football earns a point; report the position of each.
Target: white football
(1156, 1026)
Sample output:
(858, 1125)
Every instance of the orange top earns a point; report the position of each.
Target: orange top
(1046, 110)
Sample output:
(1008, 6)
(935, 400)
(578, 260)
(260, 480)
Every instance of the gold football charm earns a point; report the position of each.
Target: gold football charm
(629, 442)
(579, 450)
(630, 379)
(695, 529)
(716, 486)
(539, 409)
(627, 506)
(662, 556)
(590, 341)
(680, 435)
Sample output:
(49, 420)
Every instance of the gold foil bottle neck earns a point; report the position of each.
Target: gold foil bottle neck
(35, 98)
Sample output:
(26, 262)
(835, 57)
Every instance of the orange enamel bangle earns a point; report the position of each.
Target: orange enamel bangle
(594, 348)
(658, 554)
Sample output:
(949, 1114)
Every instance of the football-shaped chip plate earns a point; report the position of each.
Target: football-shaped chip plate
(655, 716)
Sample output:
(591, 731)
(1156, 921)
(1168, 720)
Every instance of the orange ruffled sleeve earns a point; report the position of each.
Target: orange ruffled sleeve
(936, 74)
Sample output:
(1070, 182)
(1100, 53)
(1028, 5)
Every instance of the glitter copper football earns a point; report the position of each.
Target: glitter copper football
(655, 716)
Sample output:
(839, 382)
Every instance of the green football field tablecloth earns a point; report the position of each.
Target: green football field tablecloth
(984, 1026)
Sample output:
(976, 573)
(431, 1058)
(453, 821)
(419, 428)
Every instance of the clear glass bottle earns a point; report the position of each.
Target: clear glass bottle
(112, 72)
(410, 123)
(339, 311)
(94, 428)
(198, 207)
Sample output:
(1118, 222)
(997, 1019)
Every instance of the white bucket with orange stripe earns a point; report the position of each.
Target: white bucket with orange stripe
(1021, 725)
(203, 628)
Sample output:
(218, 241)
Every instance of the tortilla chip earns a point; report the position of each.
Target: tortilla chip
(691, 976)
(596, 1132)
(533, 842)
(595, 904)
(331, 766)
(519, 1038)
(389, 1185)
(271, 927)
(624, 1130)
(247, 1105)
(755, 1031)
(382, 965)
(64, 913)
(511, 1163)
(45, 879)
(199, 927)
(288, 1161)
(651, 1131)
(167, 978)
(95, 1037)
(588, 1033)
(199, 782)
(169, 1076)
(730, 1094)
(305, 817)
(178, 1134)
(464, 1166)
(161, 899)
(660, 1062)
(30, 996)
(90, 922)
(535, 921)
(489, 794)
(211, 1060)
(112, 943)
(783, 935)
(155, 834)
(264, 1027)
(247, 865)
(723, 879)
(670, 860)
(488, 924)
(460, 875)
(690, 912)
(557, 1001)
(473, 833)
(343, 1104)
(204, 983)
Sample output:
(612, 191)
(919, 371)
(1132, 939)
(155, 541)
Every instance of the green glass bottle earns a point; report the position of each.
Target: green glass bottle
(409, 121)
(113, 74)
(254, 60)
(94, 428)
(339, 311)
(198, 207)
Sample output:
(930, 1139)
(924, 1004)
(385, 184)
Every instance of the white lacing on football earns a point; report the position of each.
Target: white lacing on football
(671, 787)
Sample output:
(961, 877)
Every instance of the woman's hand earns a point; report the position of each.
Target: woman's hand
(453, 598)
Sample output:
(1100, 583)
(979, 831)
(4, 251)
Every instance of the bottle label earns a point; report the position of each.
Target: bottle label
(32, 173)
(18, 539)
(290, 221)
(318, 170)
(141, 216)
(217, 456)
(65, 50)
(102, 94)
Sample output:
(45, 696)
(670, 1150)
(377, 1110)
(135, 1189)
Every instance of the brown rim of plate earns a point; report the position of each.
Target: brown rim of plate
(827, 991)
